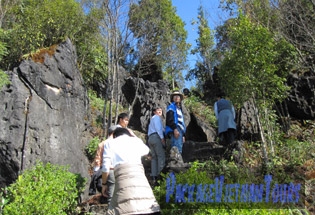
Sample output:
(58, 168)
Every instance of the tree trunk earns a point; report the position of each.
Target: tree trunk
(104, 119)
(263, 141)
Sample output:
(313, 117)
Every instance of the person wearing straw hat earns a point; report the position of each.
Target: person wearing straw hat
(175, 125)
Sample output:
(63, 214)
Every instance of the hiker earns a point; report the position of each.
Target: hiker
(96, 182)
(123, 121)
(225, 114)
(175, 124)
(132, 194)
(156, 143)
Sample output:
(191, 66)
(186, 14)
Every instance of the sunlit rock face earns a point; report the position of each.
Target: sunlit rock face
(44, 114)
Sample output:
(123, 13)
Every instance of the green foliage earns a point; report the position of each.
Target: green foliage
(53, 21)
(205, 173)
(3, 51)
(295, 153)
(303, 132)
(95, 102)
(161, 36)
(44, 189)
(97, 107)
(204, 51)
(3, 48)
(92, 57)
(91, 148)
(253, 70)
(293, 157)
(249, 67)
(93, 62)
(3, 79)
(200, 109)
(286, 164)
(3, 199)
(192, 176)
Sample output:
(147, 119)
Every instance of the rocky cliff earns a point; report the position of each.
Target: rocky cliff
(301, 100)
(44, 114)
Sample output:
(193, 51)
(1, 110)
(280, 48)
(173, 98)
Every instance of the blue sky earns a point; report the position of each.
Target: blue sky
(188, 11)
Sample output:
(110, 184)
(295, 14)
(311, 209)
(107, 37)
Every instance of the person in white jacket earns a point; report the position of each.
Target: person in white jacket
(133, 193)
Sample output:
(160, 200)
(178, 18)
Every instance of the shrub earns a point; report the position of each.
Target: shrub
(3, 199)
(3, 79)
(44, 189)
(205, 173)
(199, 108)
(95, 102)
(91, 148)
(97, 112)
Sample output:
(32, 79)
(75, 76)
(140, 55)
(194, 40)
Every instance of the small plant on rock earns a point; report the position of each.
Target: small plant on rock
(91, 148)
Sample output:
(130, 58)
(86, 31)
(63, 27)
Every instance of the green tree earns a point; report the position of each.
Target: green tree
(264, 12)
(5, 7)
(144, 24)
(293, 20)
(297, 25)
(160, 31)
(111, 48)
(174, 47)
(204, 51)
(250, 69)
(40, 23)
(92, 56)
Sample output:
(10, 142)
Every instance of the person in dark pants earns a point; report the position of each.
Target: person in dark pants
(156, 143)
(96, 181)
(225, 114)
(175, 124)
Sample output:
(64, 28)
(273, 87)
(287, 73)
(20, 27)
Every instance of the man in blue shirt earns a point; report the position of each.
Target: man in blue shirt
(156, 143)
(175, 124)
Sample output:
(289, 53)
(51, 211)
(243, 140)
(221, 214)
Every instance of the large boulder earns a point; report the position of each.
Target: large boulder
(150, 95)
(44, 114)
(200, 130)
(247, 125)
(301, 102)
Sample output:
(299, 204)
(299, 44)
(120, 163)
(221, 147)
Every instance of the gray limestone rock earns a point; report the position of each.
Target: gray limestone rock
(44, 115)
